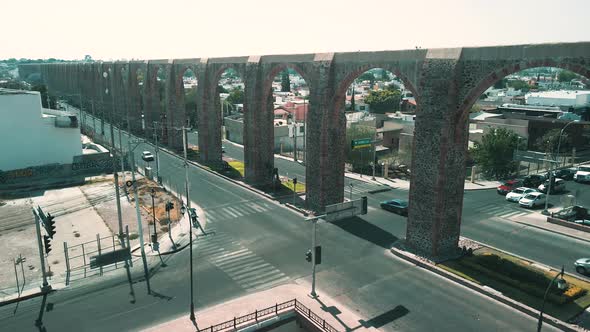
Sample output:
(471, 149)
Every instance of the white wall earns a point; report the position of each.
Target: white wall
(29, 139)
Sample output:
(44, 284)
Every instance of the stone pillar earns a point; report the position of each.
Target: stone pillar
(326, 135)
(135, 98)
(151, 100)
(258, 125)
(209, 125)
(438, 172)
(176, 111)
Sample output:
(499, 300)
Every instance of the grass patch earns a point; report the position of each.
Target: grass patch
(289, 186)
(133, 236)
(238, 166)
(521, 281)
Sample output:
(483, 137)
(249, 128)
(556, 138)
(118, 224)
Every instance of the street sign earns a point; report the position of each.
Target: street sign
(345, 210)
(110, 258)
(360, 143)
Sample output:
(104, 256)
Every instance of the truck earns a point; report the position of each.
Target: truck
(582, 174)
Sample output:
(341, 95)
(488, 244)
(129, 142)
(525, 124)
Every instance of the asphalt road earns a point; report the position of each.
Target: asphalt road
(250, 231)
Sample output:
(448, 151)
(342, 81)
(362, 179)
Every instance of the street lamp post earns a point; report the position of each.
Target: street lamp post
(561, 284)
(350, 191)
(190, 233)
(546, 211)
(155, 236)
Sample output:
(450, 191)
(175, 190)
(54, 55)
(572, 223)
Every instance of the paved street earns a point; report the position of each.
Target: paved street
(255, 243)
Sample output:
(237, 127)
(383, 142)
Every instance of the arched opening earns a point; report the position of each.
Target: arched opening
(379, 107)
(290, 104)
(521, 115)
(229, 100)
(189, 92)
(124, 122)
(159, 120)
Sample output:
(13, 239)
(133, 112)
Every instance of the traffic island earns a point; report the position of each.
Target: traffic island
(514, 281)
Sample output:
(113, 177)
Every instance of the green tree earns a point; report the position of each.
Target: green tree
(566, 76)
(236, 96)
(382, 101)
(352, 101)
(548, 142)
(494, 154)
(367, 76)
(501, 84)
(519, 85)
(285, 82)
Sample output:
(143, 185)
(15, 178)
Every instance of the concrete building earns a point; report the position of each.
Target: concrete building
(561, 98)
(32, 136)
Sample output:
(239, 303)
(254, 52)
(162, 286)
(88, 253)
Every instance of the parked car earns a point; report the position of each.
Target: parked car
(516, 194)
(566, 173)
(533, 181)
(532, 200)
(582, 265)
(557, 186)
(582, 174)
(398, 206)
(508, 186)
(147, 156)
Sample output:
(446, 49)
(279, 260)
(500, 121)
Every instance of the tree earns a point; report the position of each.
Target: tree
(566, 76)
(384, 75)
(494, 153)
(367, 76)
(519, 85)
(382, 101)
(548, 142)
(236, 96)
(42, 89)
(352, 101)
(285, 82)
(501, 84)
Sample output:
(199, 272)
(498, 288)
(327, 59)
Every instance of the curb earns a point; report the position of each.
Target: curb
(487, 292)
(551, 231)
(25, 297)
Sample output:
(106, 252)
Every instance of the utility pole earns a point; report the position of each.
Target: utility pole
(116, 175)
(138, 214)
(190, 233)
(155, 236)
(93, 119)
(40, 245)
(304, 132)
(122, 154)
(157, 156)
(314, 220)
(294, 140)
(374, 153)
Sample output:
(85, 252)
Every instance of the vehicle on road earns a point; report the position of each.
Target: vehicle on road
(582, 174)
(398, 206)
(557, 186)
(222, 149)
(532, 200)
(147, 156)
(533, 180)
(508, 186)
(582, 265)
(516, 194)
(566, 173)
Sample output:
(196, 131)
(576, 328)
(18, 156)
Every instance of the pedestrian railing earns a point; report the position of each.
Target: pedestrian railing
(253, 318)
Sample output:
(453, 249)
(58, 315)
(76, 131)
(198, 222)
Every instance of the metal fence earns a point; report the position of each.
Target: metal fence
(78, 256)
(257, 315)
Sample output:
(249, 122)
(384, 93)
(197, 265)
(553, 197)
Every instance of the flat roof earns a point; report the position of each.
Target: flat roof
(562, 94)
(16, 92)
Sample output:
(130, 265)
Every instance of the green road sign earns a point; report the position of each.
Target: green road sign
(360, 143)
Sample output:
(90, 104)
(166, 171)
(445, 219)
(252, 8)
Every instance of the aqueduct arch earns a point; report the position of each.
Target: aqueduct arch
(444, 81)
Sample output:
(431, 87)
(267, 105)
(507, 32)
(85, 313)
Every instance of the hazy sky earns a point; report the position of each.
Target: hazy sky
(151, 29)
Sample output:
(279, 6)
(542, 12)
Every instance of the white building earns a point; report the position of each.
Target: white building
(30, 136)
(559, 98)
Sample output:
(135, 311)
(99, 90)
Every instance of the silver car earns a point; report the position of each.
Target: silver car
(582, 265)
(516, 194)
(532, 200)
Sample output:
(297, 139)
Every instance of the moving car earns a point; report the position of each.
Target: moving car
(532, 200)
(557, 186)
(533, 181)
(147, 156)
(508, 186)
(583, 174)
(398, 206)
(516, 194)
(566, 173)
(582, 265)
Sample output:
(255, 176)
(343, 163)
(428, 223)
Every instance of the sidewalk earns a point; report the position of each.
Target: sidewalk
(539, 220)
(405, 185)
(335, 314)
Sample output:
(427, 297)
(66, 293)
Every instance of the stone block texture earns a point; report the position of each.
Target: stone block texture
(445, 82)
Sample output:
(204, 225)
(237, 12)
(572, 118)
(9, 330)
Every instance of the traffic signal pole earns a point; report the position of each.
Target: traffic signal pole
(46, 286)
(190, 227)
(313, 294)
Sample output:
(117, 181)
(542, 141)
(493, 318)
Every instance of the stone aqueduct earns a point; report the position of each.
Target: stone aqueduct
(445, 82)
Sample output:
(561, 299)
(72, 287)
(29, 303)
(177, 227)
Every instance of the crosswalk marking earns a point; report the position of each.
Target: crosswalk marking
(244, 267)
(235, 211)
(503, 211)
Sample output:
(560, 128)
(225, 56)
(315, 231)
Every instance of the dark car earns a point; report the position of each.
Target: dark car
(533, 181)
(566, 174)
(398, 206)
(508, 186)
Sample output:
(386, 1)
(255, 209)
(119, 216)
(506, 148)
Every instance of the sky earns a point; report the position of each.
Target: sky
(151, 29)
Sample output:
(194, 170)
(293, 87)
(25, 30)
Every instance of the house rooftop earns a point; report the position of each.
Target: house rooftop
(16, 92)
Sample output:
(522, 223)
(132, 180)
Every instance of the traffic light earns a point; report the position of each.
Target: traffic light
(308, 255)
(294, 182)
(50, 225)
(47, 243)
(318, 255)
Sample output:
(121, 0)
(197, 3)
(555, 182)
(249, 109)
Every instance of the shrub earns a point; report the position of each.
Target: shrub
(133, 236)
(573, 292)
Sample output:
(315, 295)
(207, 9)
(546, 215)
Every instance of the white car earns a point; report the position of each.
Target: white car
(557, 186)
(147, 156)
(516, 194)
(583, 174)
(532, 200)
